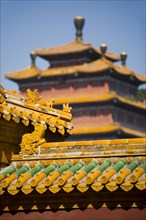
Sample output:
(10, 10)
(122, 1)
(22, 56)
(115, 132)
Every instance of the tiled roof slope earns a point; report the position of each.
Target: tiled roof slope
(104, 97)
(107, 128)
(67, 166)
(97, 66)
(33, 109)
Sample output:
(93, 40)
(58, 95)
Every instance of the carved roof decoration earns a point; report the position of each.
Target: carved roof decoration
(33, 109)
(65, 166)
(97, 66)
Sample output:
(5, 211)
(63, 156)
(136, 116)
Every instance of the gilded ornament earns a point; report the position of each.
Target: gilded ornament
(30, 142)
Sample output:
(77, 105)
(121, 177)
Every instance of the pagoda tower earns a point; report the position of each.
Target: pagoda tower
(100, 88)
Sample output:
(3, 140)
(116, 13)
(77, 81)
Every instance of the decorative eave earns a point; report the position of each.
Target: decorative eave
(33, 109)
(107, 128)
(28, 73)
(105, 65)
(98, 66)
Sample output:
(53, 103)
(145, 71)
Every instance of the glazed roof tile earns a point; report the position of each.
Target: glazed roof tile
(100, 164)
(33, 109)
(97, 66)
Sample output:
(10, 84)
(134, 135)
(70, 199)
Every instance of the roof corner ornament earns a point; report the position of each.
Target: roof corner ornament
(79, 23)
(31, 141)
(103, 49)
(123, 58)
(67, 108)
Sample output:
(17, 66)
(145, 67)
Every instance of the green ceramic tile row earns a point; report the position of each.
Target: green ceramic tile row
(49, 169)
(35, 170)
(104, 165)
(119, 165)
(90, 166)
(133, 165)
(76, 167)
(23, 169)
(9, 170)
(64, 167)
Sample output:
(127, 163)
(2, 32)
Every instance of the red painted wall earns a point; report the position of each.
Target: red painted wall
(88, 214)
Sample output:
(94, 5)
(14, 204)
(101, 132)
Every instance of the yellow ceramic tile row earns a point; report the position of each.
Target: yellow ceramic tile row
(82, 187)
(95, 142)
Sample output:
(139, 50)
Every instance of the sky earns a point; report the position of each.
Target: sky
(26, 25)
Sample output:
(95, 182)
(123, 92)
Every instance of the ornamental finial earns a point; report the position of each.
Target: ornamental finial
(123, 58)
(79, 23)
(103, 49)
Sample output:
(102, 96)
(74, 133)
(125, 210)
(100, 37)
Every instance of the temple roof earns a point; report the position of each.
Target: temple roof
(70, 48)
(97, 66)
(82, 165)
(107, 128)
(74, 46)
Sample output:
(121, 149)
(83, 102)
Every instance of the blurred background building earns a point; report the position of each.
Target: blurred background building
(97, 84)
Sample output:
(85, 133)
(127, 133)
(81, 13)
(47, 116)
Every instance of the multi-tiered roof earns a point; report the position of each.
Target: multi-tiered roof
(84, 76)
